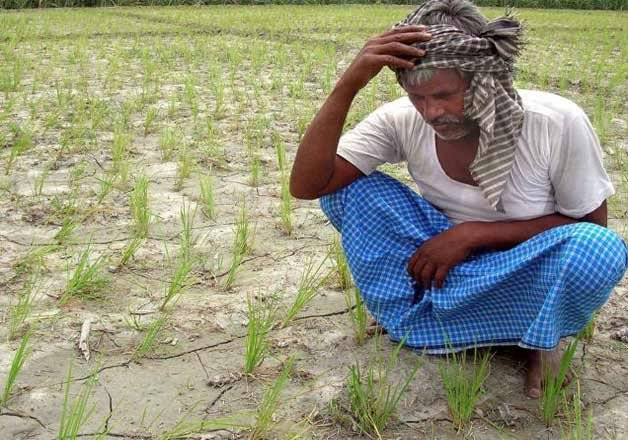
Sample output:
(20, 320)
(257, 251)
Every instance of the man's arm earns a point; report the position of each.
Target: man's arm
(504, 235)
(317, 170)
(433, 260)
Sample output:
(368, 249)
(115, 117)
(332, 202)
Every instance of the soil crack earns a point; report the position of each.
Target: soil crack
(22, 416)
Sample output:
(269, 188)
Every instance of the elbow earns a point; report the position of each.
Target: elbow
(300, 193)
(300, 189)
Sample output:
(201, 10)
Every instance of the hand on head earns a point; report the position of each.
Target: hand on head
(393, 49)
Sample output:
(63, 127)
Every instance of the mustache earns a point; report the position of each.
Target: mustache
(446, 120)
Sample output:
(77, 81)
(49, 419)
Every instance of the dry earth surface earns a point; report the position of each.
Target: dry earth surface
(87, 79)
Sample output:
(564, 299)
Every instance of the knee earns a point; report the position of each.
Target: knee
(333, 204)
(598, 250)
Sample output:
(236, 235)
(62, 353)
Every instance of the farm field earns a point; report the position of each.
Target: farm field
(144, 161)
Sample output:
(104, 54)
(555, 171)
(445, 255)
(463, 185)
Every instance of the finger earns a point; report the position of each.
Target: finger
(417, 268)
(418, 293)
(412, 262)
(404, 29)
(427, 274)
(398, 49)
(440, 276)
(407, 38)
(394, 62)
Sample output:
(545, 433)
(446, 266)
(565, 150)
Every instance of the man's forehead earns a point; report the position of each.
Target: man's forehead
(442, 80)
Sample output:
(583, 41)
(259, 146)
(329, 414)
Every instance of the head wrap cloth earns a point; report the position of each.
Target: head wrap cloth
(491, 100)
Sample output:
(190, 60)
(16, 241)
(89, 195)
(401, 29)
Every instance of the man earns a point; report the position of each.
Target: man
(507, 244)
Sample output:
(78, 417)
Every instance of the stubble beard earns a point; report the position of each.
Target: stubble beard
(449, 128)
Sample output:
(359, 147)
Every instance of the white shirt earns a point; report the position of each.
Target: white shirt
(557, 168)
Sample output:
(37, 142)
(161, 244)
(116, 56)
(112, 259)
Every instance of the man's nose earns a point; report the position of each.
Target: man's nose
(432, 109)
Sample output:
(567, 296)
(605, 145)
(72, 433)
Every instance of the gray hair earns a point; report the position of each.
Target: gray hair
(461, 14)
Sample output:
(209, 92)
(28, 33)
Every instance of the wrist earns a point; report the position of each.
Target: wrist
(346, 87)
(471, 234)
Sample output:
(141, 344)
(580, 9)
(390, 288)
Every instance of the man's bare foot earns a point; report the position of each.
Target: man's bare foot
(373, 328)
(538, 362)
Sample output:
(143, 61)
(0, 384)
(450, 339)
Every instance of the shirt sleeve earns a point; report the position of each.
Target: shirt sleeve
(577, 171)
(372, 142)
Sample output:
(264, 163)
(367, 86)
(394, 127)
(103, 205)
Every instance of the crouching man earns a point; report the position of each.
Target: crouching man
(507, 243)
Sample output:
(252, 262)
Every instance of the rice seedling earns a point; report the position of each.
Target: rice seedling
(256, 169)
(267, 409)
(463, 387)
(285, 204)
(23, 141)
(185, 165)
(149, 120)
(191, 96)
(34, 259)
(261, 319)
(241, 246)
(19, 312)
(339, 259)
(65, 232)
(373, 396)
(139, 207)
(66, 205)
(186, 429)
(576, 428)
(553, 383)
(218, 90)
(77, 174)
(75, 413)
(86, 281)
(130, 249)
(586, 334)
(207, 196)
(134, 322)
(39, 181)
(358, 314)
(169, 140)
(176, 285)
(119, 152)
(17, 363)
(187, 216)
(280, 151)
(105, 187)
(153, 330)
(311, 281)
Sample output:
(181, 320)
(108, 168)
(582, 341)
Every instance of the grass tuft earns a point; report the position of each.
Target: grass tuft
(19, 312)
(358, 314)
(153, 330)
(139, 207)
(87, 280)
(207, 196)
(552, 385)
(311, 281)
(75, 413)
(576, 427)
(373, 396)
(463, 387)
(241, 245)
(341, 266)
(16, 366)
(270, 403)
(261, 319)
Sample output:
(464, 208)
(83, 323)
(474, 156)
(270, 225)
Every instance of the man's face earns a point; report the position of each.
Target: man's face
(440, 100)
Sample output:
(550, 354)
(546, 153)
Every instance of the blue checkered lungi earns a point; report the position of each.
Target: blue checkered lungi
(532, 295)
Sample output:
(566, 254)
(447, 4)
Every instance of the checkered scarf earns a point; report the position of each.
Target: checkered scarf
(491, 100)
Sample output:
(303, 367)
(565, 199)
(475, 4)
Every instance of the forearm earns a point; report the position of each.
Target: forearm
(314, 162)
(504, 235)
